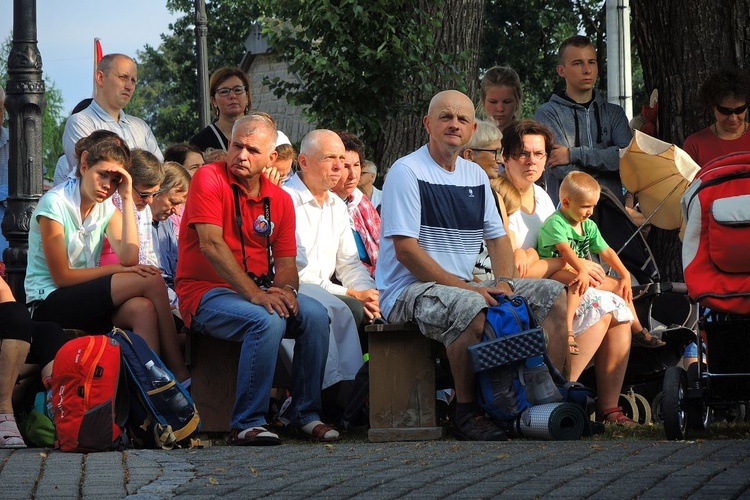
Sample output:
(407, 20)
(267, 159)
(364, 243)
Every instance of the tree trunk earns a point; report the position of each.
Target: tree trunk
(680, 43)
(460, 30)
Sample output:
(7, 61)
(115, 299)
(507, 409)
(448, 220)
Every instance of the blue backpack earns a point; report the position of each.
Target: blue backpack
(511, 362)
(162, 413)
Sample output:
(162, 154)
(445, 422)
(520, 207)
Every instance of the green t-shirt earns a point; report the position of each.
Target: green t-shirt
(556, 229)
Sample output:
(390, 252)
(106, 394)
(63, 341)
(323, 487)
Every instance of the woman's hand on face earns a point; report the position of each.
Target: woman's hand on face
(125, 186)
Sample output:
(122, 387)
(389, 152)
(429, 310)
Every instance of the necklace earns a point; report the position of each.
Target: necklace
(715, 130)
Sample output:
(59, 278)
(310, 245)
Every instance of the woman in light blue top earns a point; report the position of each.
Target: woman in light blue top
(63, 283)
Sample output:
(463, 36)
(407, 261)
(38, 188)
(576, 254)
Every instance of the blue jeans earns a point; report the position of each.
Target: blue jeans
(226, 315)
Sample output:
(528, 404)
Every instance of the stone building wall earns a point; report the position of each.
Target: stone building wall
(289, 119)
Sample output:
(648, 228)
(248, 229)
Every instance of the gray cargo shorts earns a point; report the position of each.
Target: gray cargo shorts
(443, 312)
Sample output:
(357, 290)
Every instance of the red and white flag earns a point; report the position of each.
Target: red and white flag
(97, 57)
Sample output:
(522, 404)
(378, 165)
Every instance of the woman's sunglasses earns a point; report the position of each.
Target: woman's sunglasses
(731, 111)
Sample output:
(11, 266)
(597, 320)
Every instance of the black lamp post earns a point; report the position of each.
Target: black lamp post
(25, 102)
(201, 33)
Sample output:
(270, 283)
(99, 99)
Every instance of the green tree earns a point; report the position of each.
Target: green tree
(366, 66)
(525, 35)
(347, 71)
(167, 95)
(53, 119)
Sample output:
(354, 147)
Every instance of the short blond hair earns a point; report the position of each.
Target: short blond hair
(578, 184)
(508, 192)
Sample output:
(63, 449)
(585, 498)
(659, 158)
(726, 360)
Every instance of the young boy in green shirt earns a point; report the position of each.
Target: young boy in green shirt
(570, 234)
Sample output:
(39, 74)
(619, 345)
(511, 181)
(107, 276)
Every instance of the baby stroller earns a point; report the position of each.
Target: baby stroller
(716, 207)
(661, 306)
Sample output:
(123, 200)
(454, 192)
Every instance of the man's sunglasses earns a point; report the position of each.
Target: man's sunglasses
(146, 194)
(731, 111)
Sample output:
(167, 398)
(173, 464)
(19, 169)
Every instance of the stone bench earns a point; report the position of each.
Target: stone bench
(402, 383)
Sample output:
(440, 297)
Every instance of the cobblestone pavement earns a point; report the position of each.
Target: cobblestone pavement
(438, 469)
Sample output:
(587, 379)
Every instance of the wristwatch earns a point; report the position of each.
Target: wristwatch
(294, 291)
(509, 281)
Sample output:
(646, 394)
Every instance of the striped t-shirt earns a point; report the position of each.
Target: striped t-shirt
(449, 213)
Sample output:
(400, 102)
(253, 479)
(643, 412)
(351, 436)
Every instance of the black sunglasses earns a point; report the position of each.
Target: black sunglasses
(146, 194)
(731, 111)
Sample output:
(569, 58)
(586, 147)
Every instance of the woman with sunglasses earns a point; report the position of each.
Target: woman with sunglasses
(230, 99)
(725, 93)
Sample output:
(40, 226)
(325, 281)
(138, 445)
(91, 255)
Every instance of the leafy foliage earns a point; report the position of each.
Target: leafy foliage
(167, 95)
(53, 119)
(525, 35)
(359, 61)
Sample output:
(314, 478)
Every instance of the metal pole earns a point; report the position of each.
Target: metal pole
(201, 33)
(25, 102)
(619, 70)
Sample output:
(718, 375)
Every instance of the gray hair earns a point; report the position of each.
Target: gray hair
(175, 176)
(311, 141)
(485, 134)
(252, 122)
(370, 167)
(2, 94)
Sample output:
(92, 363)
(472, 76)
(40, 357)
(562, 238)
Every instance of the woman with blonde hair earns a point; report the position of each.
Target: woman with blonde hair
(501, 96)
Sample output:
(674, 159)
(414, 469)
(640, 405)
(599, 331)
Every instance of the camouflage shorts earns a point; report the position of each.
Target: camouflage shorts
(443, 312)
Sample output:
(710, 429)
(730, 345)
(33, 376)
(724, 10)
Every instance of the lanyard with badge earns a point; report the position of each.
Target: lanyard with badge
(262, 225)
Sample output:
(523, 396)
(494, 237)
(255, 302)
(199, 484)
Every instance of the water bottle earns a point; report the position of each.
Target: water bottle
(540, 388)
(175, 400)
(48, 405)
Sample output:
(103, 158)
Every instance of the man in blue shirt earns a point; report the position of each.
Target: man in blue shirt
(116, 77)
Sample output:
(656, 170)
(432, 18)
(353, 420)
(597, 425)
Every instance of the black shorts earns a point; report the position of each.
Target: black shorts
(87, 306)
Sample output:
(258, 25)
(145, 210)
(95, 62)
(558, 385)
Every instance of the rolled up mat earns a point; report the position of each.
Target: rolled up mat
(552, 421)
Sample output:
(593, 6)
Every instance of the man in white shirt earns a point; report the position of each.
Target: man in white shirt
(116, 77)
(325, 244)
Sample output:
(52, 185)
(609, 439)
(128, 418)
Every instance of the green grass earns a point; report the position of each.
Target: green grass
(653, 432)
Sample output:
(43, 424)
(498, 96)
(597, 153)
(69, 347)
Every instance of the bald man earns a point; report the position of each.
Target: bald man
(115, 79)
(437, 208)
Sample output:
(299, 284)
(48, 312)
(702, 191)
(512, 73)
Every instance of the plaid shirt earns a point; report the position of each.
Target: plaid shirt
(146, 252)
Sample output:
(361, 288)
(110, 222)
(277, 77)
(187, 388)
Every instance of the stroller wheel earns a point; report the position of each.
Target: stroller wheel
(629, 406)
(700, 415)
(644, 409)
(656, 408)
(674, 407)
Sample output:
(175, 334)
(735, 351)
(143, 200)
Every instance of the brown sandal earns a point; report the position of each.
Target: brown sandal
(639, 338)
(572, 344)
(617, 417)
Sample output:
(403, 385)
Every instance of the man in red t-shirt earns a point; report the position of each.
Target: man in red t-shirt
(228, 286)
